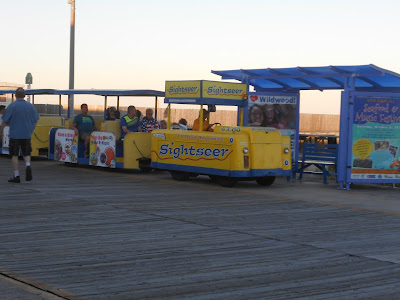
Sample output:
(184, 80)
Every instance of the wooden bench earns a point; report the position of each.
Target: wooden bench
(321, 157)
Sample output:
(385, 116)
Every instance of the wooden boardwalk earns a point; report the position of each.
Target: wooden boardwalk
(84, 233)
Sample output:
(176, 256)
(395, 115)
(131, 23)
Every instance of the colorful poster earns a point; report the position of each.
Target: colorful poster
(5, 140)
(102, 149)
(376, 138)
(279, 112)
(66, 146)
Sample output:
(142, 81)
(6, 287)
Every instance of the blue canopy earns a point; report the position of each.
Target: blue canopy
(366, 78)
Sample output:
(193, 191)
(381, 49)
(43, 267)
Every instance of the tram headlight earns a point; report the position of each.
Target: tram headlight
(245, 150)
(286, 150)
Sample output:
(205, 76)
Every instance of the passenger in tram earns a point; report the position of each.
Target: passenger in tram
(84, 125)
(110, 114)
(163, 124)
(182, 125)
(117, 115)
(256, 115)
(139, 115)
(130, 122)
(206, 123)
(271, 118)
(148, 122)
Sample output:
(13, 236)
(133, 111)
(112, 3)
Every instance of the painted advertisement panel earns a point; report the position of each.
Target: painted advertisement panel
(224, 90)
(376, 138)
(66, 146)
(5, 140)
(102, 149)
(182, 89)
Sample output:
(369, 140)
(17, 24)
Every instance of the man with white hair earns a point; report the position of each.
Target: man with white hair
(148, 122)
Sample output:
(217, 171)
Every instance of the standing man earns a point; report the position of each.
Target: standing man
(130, 122)
(84, 125)
(22, 117)
(148, 122)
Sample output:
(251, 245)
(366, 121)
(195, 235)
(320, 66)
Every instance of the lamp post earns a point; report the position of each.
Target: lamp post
(71, 60)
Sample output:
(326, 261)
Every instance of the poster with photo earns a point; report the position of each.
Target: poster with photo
(279, 112)
(376, 138)
(66, 146)
(102, 149)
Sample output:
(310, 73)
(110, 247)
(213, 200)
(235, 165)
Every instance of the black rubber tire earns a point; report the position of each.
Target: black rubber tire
(213, 178)
(145, 169)
(180, 176)
(226, 181)
(266, 180)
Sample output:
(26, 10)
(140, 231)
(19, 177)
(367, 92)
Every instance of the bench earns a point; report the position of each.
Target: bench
(321, 157)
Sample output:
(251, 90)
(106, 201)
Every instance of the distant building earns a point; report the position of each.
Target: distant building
(6, 99)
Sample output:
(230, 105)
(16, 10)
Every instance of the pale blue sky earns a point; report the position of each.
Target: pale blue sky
(128, 44)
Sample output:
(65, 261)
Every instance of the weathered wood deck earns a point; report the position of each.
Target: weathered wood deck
(85, 233)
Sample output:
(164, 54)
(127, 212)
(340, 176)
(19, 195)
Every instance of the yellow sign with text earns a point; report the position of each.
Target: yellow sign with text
(182, 89)
(224, 90)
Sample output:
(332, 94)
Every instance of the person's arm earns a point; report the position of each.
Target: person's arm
(94, 125)
(75, 128)
(3, 124)
(125, 129)
(140, 129)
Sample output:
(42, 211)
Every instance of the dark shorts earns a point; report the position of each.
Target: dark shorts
(84, 134)
(16, 145)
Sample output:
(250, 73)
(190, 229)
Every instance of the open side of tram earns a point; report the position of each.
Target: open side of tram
(40, 136)
(106, 149)
(228, 153)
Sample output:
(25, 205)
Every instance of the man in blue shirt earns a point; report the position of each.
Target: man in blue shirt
(130, 122)
(22, 117)
(84, 125)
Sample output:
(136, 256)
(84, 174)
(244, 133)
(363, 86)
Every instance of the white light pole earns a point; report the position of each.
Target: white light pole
(72, 57)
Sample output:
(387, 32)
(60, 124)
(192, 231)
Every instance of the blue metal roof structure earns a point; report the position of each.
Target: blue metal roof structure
(367, 78)
(365, 86)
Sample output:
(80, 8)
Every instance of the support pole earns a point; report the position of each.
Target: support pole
(72, 56)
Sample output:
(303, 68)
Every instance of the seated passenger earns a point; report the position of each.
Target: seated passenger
(130, 122)
(182, 125)
(84, 125)
(139, 115)
(206, 124)
(163, 124)
(117, 115)
(110, 114)
(148, 122)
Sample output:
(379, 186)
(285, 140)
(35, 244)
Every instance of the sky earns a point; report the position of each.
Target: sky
(129, 44)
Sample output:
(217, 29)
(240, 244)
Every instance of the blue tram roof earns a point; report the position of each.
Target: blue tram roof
(138, 93)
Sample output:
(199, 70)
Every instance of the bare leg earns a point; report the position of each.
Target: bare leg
(87, 141)
(14, 160)
(27, 159)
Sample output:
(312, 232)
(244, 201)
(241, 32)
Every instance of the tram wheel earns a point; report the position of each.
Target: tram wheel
(145, 169)
(180, 176)
(226, 181)
(213, 178)
(266, 180)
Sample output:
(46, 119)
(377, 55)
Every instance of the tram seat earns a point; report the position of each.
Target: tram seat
(98, 124)
(55, 121)
(114, 127)
(40, 136)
